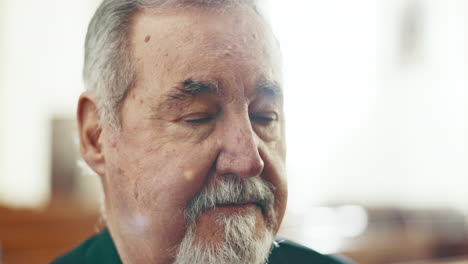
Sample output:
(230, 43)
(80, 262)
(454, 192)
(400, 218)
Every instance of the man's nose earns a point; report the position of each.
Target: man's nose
(239, 153)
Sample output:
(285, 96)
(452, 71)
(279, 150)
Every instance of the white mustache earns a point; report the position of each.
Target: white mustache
(231, 189)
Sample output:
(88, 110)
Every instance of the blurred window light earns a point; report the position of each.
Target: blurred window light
(352, 220)
(361, 124)
(321, 231)
(327, 228)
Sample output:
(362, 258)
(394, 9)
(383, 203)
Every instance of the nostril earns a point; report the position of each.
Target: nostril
(252, 165)
(241, 164)
(257, 166)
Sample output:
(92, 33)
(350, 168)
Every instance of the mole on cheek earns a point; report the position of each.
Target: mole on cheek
(188, 174)
(147, 38)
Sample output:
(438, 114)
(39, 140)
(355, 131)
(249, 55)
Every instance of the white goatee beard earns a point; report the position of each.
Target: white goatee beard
(242, 242)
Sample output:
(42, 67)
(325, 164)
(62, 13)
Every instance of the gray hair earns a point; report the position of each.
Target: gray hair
(108, 70)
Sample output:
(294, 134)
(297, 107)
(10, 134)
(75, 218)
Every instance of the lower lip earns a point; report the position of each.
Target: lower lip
(227, 210)
(236, 205)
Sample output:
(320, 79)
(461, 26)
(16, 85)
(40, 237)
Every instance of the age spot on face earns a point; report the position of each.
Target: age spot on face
(188, 174)
(147, 39)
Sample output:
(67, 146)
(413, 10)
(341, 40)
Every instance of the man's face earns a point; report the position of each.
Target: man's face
(206, 106)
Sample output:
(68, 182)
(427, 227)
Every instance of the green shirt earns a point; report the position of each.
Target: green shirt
(100, 249)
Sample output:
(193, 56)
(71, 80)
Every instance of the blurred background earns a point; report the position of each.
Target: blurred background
(377, 115)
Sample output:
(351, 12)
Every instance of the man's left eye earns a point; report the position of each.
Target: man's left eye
(263, 118)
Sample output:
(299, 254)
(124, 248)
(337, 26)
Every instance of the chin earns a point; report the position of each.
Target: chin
(234, 238)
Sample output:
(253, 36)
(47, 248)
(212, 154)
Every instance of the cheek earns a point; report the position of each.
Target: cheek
(275, 173)
(148, 188)
(190, 134)
(160, 177)
(270, 133)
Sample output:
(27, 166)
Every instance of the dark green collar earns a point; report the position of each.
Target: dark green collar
(102, 250)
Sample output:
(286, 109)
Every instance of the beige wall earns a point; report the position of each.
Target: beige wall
(42, 53)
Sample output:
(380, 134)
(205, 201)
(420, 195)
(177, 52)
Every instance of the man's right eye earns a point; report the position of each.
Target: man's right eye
(197, 119)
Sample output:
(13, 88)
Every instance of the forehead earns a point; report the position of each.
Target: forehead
(203, 43)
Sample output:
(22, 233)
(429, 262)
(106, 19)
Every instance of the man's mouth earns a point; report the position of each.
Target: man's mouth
(236, 204)
(241, 204)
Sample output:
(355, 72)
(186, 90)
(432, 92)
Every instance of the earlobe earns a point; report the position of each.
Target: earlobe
(89, 131)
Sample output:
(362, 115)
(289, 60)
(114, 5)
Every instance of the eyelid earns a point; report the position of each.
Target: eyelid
(198, 118)
(264, 116)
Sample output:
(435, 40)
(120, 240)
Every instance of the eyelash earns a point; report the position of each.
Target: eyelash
(256, 118)
(263, 119)
(200, 120)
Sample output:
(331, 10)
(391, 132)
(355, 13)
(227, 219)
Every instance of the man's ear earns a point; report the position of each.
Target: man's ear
(89, 131)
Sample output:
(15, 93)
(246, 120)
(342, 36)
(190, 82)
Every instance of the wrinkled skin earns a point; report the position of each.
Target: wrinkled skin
(166, 149)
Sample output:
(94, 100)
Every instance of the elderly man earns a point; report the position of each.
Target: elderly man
(183, 122)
